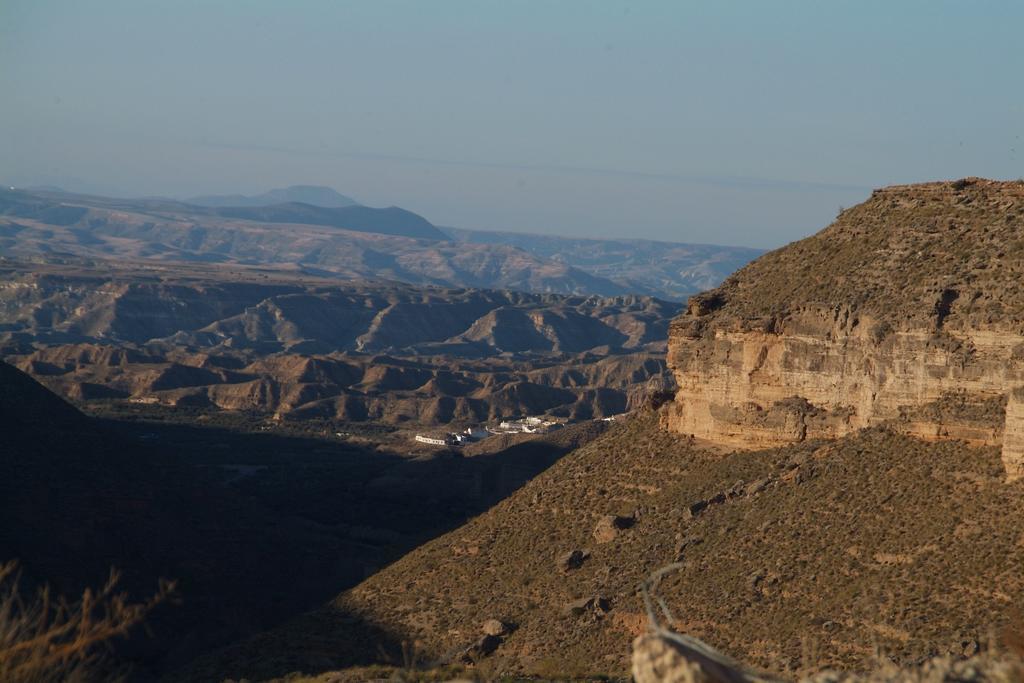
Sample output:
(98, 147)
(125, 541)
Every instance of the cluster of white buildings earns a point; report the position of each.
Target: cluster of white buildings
(446, 440)
(469, 435)
(527, 425)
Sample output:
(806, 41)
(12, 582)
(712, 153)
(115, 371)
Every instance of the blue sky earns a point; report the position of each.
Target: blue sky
(725, 122)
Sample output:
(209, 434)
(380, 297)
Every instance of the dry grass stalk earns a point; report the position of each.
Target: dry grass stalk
(50, 639)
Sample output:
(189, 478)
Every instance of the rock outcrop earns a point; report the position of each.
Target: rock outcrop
(667, 657)
(907, 311)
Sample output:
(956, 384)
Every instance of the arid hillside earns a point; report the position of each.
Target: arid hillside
(300, 347)
(907, 311)
(792, 559)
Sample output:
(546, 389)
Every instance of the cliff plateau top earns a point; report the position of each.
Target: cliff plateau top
(942, 253)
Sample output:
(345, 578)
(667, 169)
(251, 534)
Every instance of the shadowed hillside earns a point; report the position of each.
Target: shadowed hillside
(78, 497)
(233, 517)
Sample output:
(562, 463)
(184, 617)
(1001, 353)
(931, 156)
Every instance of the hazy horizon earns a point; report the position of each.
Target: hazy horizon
(740, 124)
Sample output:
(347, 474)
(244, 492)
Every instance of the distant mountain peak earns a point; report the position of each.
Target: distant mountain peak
(315, 195)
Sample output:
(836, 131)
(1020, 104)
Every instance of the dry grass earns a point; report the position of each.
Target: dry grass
(50, 639)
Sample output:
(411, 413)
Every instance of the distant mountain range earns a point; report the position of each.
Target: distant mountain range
(303, 194)
(340, 238)
(389, 221)
(669, 270)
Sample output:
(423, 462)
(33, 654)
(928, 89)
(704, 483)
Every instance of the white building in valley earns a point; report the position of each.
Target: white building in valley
(527, 425)
(446, 440)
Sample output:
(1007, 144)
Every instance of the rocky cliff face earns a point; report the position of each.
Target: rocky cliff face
(906, 311)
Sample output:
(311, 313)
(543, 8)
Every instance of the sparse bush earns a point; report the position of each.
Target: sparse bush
(50, 639)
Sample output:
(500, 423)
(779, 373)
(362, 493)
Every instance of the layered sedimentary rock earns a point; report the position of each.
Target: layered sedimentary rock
(907, 311)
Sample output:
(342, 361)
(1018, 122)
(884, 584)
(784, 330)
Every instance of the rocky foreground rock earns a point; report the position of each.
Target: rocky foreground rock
(907, 311)
(667, 657)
